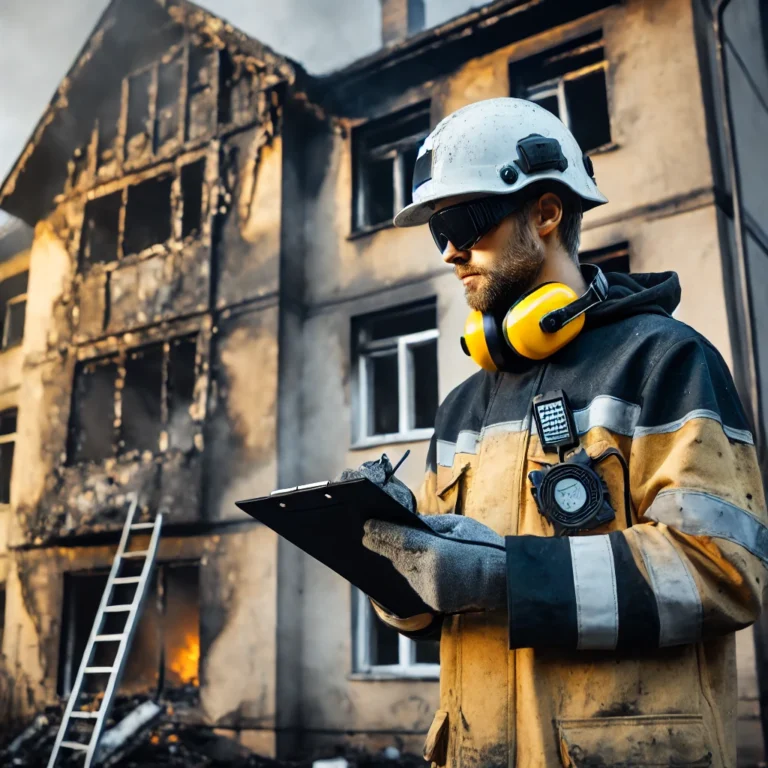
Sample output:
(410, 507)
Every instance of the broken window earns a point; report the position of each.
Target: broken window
(13, 307)
(92, 420)
(142, 397)
(170, 75)
(396, 363)
(109, 123)
(192, 179)
(201, 110)
(138, 117)
(384, 155)
(165, 651)
(225, 85)
(148, 214)
(380, 649)
(98, 241)
(570, 81)
(156, 385)
(614, 258)
(7, 440)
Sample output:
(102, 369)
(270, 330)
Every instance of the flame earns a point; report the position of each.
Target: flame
(186, 661)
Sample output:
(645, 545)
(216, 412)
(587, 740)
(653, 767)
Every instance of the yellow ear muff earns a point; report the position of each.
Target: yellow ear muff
(475, 343)
(521, 324)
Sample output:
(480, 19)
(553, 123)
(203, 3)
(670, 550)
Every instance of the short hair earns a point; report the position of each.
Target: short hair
(569, 230)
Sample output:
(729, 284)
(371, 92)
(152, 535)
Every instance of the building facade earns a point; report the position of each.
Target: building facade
(218, 306)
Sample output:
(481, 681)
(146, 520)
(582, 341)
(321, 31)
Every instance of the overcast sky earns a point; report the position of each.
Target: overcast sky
(39, 40)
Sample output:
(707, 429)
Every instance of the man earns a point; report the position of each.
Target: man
(595, 549)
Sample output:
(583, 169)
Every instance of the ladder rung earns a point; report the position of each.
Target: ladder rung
(108, 638)
(117, 608)
(98, 670)
(75, 745)
(137, 553)
(142, 526)
(84, 715)
(127, 580)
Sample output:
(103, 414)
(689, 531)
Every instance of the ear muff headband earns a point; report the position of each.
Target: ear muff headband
(522, 324)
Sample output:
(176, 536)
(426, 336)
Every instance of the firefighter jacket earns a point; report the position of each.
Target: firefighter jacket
(617, 647)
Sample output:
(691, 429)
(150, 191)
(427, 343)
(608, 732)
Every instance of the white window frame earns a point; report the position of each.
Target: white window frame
(4, 440)
(14, 300)
(405, 385)
(556, 87)
(362, 643)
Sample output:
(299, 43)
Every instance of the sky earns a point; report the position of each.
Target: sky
(39, 40)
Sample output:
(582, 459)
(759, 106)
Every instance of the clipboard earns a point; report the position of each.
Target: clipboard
(326, 521)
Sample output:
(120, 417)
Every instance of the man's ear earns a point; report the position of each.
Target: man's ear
(548, 213)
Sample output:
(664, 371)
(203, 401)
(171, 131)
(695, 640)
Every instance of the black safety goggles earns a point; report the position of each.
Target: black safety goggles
(465, 224)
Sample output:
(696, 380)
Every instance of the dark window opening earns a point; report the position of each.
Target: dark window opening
(98, 242)
(157, 391)
(109, 119)
(167, 115)
(92, 432)
(428, 652)
(386, 649)
(2, 614)
(142, 397)
(395, 359)
(614, 258)
(225, 83)
(192, 180)
(148, 214)
(13, 304)
(7, 438)
(138, 104)
(165, 651)
(181, 392)
(201, 107)
(384, 154)
(569, 80)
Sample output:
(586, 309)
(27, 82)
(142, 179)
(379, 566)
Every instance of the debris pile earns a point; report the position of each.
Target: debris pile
(144, 734)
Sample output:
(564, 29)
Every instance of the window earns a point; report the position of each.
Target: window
(192, 180)
(170, 76)
(148, 214)
(396, 366)
(384, 154)
(7, 440)
(570, 81)
(614, 258)
(379, 649)
(101, 226)
(165, 651)
(139, 401)
(13, 308)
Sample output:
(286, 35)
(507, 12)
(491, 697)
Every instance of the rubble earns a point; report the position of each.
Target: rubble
(144, 733)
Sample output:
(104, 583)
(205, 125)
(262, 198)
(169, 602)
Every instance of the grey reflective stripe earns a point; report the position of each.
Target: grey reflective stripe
(609, 412)
(741, 435)
(445, 453)
(467, 442)
(677, 598)
(701, 514)
(503, 427)
(594, 581)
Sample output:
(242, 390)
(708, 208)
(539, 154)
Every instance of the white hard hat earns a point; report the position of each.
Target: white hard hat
(497, 147)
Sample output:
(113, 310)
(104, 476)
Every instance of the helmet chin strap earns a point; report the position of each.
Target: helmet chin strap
(594, 295)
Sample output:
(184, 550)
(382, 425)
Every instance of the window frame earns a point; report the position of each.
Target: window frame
(364, 622)
(164, 445)
(405, 389)
(396, 150)
(6, 324)
(10, 438)
(555, 86)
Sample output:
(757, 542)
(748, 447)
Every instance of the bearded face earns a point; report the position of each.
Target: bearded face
(495, 286)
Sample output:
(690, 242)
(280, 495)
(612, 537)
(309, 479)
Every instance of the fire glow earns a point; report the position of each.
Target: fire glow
(186, 661)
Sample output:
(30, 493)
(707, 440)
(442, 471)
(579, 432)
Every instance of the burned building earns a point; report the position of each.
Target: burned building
(219, 306)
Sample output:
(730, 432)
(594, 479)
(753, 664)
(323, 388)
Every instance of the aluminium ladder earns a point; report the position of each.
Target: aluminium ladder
(131, 611)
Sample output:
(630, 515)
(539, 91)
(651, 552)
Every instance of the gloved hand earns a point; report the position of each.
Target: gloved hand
(455, 574)
(377, 472)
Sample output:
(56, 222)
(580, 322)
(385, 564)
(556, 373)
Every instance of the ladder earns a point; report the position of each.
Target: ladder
(129, 611)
